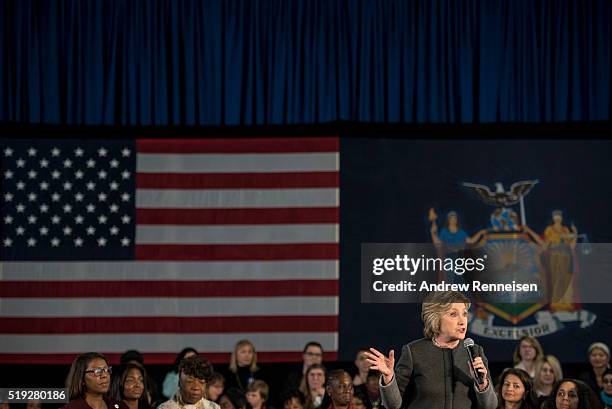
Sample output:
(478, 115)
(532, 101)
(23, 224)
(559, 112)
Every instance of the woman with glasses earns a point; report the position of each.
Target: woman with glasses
(571, 394)
(130, 387)
(606, 393)
(88, 383)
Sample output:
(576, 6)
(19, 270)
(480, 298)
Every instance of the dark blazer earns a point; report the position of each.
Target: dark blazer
(428, 377)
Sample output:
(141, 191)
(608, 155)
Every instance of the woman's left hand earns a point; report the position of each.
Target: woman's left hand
(480, 367)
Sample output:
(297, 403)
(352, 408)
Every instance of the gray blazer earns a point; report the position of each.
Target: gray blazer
(428, 377)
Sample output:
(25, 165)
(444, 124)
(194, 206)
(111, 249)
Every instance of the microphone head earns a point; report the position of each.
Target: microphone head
(468, 342)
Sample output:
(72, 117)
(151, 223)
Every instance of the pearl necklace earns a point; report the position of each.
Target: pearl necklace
(436, 343)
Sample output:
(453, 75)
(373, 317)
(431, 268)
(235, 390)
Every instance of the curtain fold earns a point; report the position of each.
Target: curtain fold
(247, 62)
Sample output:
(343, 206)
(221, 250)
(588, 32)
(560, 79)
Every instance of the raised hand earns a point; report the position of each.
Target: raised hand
(381, 363)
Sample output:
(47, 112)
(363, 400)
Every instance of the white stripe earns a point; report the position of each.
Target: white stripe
(237, 163)
(269, 342)
(163, 270)
(242, 234)
(167, 307)
(236, 198)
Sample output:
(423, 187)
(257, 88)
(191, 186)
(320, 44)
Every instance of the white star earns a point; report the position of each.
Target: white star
(20, 208)
(102, 219)
(125, 197)
(102, 174)
(55, 242)
(32, 174)
(125, 174)
(91, 230)
(78, 242)
(114, 163)
(67, 231)
(101, 242)
(114, 230)
(78, 197)
(91, 185)
(43, 231)
(55, 152)
(78, 152)
(91, 163)
(20, 185)
(44, 208)
(43, 185)
(32, 197)
(8, 242)
(114, 185)
(125, 242)
(8, 152)
(78, 174)
(31, 152)
(125, 152)
(20, 230)
(78, 219)
(8, 197)
(8, 219)
(67, 208)
(102, 152)
(55, 219)
(20, 163)
(113, 208)
(31, 242)
(44, 163)
(31, 219)
(67, 163)
(55, 174)
(125, 219)
(102, 197)
(8, 174)
(55, 197)
(67, 185)
(91, 208)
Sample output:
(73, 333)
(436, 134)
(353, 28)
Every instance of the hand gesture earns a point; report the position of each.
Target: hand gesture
(379, 362)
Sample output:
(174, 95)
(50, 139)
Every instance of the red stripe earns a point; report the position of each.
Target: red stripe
(172, 325)
(239, 145)
(263, 288)
(296, 215)
(237, 252)
(157, 358)
(237, 180)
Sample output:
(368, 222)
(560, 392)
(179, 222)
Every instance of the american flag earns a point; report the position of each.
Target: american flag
(157, 244)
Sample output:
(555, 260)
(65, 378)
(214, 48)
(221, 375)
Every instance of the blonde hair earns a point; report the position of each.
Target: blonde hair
(554, 364)
(534, 342)
(261, 387)
(437, 304)
(233, 366)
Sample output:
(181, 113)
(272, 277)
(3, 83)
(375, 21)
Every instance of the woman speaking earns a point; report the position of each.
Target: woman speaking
(435, 372)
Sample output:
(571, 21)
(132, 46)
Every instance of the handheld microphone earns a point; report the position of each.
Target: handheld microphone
(469, 345)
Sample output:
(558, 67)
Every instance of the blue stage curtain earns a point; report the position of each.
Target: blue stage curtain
(242, 62)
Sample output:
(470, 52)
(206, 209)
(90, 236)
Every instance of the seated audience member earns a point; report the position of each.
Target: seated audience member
(257, 394)
(526, 354)
(373, 391)
(599, 360)
(548, 371)
(515, 390)
(214, 387)
(243, 366)
(362, 366)
(313, 386)
(340, 389)
(606, 393)
(571, 394)
(293, 399)
(311, 354)
(88, 383)
(233, 398)
(129, 386)
(360, 399)
(133, 356)
(170, 384)
(194, 373)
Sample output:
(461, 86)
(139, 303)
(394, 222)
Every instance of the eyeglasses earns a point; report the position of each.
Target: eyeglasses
(99, 371)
